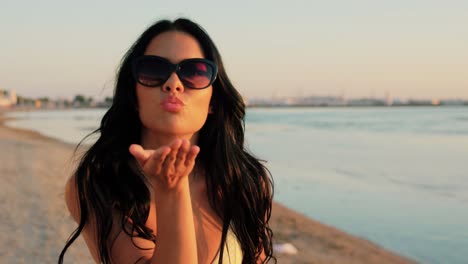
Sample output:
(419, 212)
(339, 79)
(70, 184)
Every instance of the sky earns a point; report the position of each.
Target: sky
(360, 48)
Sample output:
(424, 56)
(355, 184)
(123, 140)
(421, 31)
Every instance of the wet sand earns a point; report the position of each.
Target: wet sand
(35, 223)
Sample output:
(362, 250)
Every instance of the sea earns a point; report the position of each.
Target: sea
(397, 176)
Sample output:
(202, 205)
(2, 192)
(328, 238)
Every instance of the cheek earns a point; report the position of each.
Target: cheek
(140, 97)
(206, 103)
(201, 108)
(145, 98)
(146, 102)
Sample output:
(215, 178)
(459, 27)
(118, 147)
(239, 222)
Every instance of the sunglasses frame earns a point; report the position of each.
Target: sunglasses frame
(174, 68)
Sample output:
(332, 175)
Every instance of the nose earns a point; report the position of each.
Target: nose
(173, 84)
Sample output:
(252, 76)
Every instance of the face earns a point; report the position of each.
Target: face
(172, 109)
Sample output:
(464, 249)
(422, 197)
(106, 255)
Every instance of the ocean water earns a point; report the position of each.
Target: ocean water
(395, 176)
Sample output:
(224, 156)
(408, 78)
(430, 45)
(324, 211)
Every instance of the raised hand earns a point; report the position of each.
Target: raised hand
(167, 166)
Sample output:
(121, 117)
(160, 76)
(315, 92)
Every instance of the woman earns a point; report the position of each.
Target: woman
(169, 179)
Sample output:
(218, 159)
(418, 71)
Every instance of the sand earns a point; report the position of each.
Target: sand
(35, 223)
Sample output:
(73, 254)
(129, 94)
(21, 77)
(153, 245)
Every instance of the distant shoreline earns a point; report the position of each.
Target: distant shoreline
(351, 106)
(25, 109)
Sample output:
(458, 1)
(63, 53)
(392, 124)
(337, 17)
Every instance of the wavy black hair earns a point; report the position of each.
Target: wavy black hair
(239, 186)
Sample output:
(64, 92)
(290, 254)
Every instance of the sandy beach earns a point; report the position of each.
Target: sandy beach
(35, 223)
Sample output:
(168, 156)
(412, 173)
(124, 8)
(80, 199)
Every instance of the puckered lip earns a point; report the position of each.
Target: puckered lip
(172, 104)
(172, 100)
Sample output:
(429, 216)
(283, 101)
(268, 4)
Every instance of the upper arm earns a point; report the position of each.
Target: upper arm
(71, 199)
(123, 248)
(73, 205)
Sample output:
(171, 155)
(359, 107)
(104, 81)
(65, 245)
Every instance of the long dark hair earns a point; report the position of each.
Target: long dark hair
(239, 186)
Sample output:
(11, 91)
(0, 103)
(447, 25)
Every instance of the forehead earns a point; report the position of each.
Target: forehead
(174, 46)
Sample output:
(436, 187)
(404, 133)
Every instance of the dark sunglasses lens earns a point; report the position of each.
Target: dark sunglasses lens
(196, 74)
(152, 71)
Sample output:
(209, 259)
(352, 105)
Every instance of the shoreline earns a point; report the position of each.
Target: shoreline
(34, 171)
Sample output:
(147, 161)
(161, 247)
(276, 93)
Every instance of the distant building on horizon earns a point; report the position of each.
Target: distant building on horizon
(321, 101)
(368, 102)
(453, 102)
(388, 99)
(8, 98)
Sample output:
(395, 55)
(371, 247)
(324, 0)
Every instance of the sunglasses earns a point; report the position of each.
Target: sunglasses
(153, 71)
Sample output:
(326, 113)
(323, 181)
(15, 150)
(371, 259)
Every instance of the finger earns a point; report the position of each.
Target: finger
(168, 163)
(181, 155)
(192, 154)
(140, 154)
(175, 146)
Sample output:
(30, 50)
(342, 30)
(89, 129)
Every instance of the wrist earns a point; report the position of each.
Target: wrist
(180, 191)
